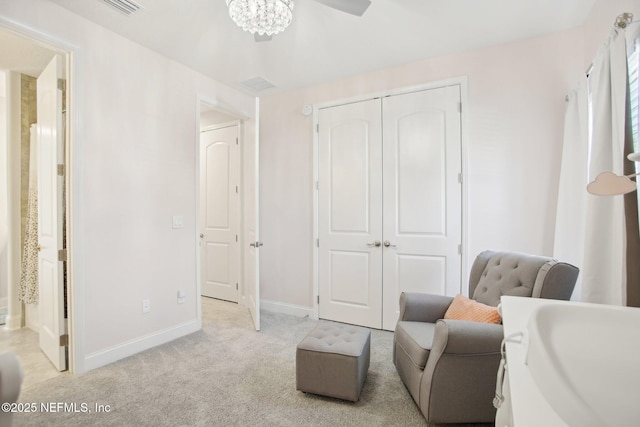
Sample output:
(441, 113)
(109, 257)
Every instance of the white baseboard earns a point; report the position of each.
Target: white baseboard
(120, 351)
(13, 323)
(280, 307)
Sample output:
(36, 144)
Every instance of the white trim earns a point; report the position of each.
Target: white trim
(316, 204)
(464, 143)
(15, 314)
(453, 81)
(222, 126)
(461, 81)
(283, 308)
(129, 348)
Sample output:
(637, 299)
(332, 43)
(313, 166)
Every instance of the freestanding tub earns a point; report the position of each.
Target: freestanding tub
(585, 358)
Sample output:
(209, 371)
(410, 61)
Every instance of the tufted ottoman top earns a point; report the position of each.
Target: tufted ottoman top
(336, 338)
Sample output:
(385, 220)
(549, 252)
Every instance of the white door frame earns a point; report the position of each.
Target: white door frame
(463, 83)
(75, 312)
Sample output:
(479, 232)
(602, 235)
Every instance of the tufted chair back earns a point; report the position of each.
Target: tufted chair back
(494, 274)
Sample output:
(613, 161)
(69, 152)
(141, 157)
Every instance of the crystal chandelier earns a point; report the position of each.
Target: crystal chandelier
(261, 16)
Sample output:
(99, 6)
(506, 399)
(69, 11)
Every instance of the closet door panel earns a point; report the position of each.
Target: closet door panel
(422, 195)
(421, 189)
(350, 213)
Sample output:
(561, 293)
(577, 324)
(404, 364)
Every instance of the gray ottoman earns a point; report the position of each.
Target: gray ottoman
(333, 360)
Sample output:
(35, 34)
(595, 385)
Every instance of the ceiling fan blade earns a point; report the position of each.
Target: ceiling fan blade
(353, 7)
(261, 38)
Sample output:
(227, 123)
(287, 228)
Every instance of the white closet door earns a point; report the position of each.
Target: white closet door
(422, 196)
(350, 213)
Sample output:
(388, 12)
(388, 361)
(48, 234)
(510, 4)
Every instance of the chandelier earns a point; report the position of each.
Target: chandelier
(261, 16)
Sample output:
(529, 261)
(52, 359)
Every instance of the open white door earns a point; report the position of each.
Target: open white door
(251, 156)
(50, 149)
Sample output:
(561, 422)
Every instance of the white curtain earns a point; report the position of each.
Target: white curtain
(604, 266)
(572, 196)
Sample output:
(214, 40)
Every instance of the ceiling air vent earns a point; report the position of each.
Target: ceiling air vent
(125, 6)
(257, 84)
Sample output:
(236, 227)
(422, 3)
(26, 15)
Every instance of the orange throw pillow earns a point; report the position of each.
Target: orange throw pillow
(463, 308)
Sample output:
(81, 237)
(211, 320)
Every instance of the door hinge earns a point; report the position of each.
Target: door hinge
(236, 189)
(236, 286)
(459, 107)
(460, 177)
(460, 249)
(64, 340)
(60, 170)
(317, 127)
(62, 255)
(236, 141)
(317, 185)
(318, 299)
(62, 84)
(236, 237)
(318, 243)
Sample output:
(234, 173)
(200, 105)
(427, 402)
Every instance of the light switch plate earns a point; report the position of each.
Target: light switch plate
(178, 221)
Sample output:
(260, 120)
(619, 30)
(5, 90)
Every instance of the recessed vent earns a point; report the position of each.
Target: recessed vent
(125, 6)
(257, 84)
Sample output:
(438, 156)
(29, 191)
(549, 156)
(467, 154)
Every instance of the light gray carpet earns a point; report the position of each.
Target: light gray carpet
(224, 375)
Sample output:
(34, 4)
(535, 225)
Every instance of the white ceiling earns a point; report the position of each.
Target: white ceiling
(323, 44)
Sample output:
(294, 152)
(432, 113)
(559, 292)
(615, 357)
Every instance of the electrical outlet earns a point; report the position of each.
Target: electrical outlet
(181, 296)
(146, 305)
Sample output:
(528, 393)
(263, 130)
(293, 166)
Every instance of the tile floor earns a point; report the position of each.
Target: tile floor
(24, 342)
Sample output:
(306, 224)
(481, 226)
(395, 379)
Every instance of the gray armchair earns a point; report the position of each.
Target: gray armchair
(450, 366)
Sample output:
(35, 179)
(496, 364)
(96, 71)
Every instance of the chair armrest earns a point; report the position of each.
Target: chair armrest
(465, 337)
(421, 307)
(461, 372)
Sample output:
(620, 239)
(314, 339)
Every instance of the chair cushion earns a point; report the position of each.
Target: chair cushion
(463, 308)
(415, 339)
(508, 273)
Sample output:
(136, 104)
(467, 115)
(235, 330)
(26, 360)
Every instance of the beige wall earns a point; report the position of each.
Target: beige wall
(514, 119)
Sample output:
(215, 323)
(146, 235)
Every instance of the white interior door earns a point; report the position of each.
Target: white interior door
(50, 148)
(350, 213)
(219, 215)
(422, 196)
(251, 175)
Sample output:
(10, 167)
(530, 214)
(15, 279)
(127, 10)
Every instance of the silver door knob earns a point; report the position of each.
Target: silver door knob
(201, 235)
(376, 243)
(388, 243)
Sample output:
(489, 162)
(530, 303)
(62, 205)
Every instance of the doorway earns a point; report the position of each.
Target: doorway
(220, 211)
(228, 192)
(36, 292)
(389, 203)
